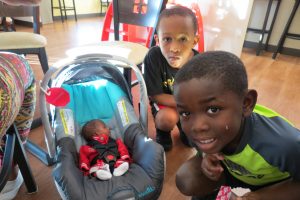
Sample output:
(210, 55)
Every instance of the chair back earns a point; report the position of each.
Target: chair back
(22, 11)
(132, 14)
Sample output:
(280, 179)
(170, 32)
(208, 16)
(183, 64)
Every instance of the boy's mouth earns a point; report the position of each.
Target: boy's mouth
(207, 141)
(174, 61)
(174, 58)
(205, 144)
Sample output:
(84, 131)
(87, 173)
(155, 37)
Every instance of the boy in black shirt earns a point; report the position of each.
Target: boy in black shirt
(176, 37)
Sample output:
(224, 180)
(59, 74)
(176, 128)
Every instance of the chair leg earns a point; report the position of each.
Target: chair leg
(14, 151)
(7, 160)
(64, 5)
(52, 9)
(272, 23)
(22, 161)
(60, 9)
(74, 10)
(258, 49)
(286, 29)
(43, 59)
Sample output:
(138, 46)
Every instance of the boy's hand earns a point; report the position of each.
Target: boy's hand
(211, 166)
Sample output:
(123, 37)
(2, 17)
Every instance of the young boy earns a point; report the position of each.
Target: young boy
(176, 37)
(241, 147)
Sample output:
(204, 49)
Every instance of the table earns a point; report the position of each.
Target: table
(134, 52)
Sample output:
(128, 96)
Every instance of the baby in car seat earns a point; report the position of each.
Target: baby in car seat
(102, 156)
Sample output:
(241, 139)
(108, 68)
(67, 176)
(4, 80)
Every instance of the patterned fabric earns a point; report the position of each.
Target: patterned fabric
(17, 94)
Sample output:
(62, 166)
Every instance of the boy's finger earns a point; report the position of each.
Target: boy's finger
(213, 172)
(219, 156)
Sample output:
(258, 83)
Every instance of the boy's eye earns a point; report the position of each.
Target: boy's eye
(184, 114)
(183, 39)
(213, 110)
(167, 39)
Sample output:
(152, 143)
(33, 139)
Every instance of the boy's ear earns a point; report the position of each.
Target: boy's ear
(249, 102)
(156, 39)
(196, 39)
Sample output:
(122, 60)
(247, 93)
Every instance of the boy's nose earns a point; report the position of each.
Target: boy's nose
(175, 47)
(200, 124)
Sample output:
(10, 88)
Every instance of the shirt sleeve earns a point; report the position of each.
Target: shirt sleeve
(124, 154)
(153, 77)
(83, 158)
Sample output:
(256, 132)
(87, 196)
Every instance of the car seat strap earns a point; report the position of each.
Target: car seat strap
(107, 152)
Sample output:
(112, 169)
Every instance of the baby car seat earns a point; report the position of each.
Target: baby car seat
(98, 90)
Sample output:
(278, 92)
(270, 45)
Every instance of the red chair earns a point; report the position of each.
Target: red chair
(196, 9)
(134, 20)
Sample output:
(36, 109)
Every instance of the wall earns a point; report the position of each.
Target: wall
(82, 7)
(257, 17)
(45, 12)
(225, 23)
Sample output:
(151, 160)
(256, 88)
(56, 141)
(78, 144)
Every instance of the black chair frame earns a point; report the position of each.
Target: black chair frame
(14, 152)
(104, 3)
(63, 8)
(264, 30)
(286, 33)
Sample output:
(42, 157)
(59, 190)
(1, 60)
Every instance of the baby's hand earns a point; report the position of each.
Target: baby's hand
(211, 166)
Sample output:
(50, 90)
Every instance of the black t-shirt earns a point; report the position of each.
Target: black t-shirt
(159, 75)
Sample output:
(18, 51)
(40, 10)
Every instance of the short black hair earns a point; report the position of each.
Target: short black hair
(180, 11)
(89, 128)
(219, 65)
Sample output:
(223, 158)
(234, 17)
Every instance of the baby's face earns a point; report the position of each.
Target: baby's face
(176, 39)
(102, 129)
(210, 115)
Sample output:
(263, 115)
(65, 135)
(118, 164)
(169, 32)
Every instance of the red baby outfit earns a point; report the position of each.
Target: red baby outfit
(87, 154)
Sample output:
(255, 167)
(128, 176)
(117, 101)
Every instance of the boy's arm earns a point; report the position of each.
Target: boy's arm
(164, 99)
(288, 190)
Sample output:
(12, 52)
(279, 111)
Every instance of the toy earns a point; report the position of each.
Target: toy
(102, 156)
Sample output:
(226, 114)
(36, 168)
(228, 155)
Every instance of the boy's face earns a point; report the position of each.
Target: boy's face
(210, 115)
(176, 39)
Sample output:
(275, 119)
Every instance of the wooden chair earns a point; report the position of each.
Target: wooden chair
(24, 42)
